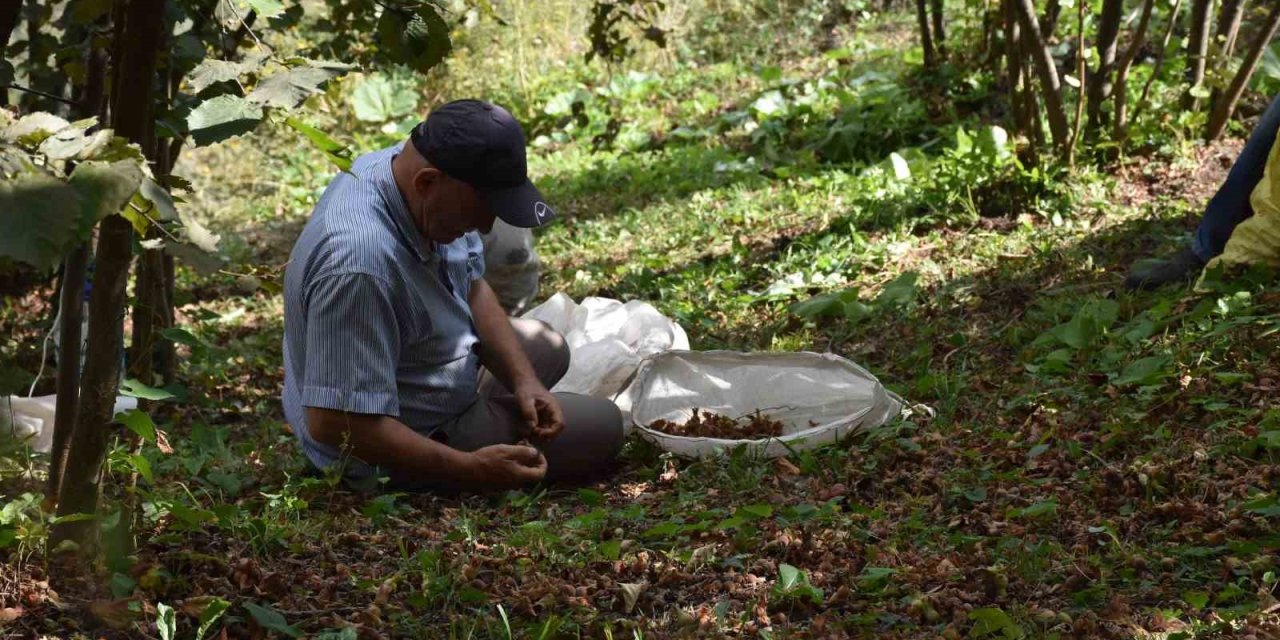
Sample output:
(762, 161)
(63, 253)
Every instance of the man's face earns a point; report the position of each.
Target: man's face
(447, 208)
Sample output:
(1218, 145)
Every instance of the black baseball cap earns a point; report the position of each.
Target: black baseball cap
(480, 144)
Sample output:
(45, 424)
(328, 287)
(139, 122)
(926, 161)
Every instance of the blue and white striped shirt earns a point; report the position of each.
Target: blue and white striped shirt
(376, 319)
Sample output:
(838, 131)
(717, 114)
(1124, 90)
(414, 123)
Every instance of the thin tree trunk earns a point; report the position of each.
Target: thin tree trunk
(939, 34)
(71, 305)
(1229, 18)
(1080, 87)
(1122, 69)
(1020, 98)
(1100, 85)
(68, 390)
(1049, 21)
(1050, 85)
(926, 38)
(132, 117)
(1197, 50)
(1221, 114)
(1155, 70)
(168, 351)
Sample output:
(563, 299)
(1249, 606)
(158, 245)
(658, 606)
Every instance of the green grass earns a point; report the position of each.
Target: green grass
(1097, 463)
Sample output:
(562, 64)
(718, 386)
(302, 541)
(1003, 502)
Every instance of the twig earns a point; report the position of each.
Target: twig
(38, 93)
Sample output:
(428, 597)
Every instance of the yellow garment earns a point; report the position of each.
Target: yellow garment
(1257, 240)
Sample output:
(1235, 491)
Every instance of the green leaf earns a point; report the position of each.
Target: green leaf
(900, 291)
(418, 39)
(210, 615)
(1039, 509)
(266, 8)
(756, 510)
(789, 577)
(378, 99)
(33, 128)
(132, 388)
(122, 585)
(139, 423)
(223, 117)
(142, 466)
(271, 620)
(104, 190)
(1197, 599)
(165, 621)
(40, 219)
(210, 72)
(610, 549)
(590, 497)
(901, 170)
(826, 304)
(72, 143)
(1147, 371)
(337, 153)
(991, 621)
(1266, 505)
(289, 89)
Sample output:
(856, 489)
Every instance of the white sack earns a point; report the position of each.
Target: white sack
(31, 419)
(820, 398)
(607, 340)
(511, 265)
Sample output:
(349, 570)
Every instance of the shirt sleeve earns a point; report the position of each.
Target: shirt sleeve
(352, 346)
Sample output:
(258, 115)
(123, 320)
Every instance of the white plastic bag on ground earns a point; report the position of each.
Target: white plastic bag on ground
(31, 419)
(607, 340)
(511, 265)
(820, 398)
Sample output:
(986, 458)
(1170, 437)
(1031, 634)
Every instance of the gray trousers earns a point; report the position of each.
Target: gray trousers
(592, 432)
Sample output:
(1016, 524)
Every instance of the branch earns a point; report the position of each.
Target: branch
(39, 93)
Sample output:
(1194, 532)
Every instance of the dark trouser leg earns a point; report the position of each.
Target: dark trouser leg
(592, 432)
(1230, 205)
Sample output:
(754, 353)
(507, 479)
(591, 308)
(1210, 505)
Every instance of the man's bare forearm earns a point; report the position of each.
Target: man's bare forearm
(387, 442)
(500, 350)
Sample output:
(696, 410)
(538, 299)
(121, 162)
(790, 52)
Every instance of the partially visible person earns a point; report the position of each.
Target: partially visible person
(1228, 208)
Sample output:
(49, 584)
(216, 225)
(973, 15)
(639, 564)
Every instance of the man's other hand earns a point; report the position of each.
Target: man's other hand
(543, 417)
(506, 466)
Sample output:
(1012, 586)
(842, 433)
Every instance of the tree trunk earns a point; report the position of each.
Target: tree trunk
(1122, 70)
(1227, 106)
(10, 10)
(926, 38)
(168, 351)
(1155, 69)
(89, 102)
(1197, 50)
(1100, 84)
(939, 34)
(1050, 85)
(132, 117)
(1049, 21)
(1224, 37)
(1023, 113)
(68, 390)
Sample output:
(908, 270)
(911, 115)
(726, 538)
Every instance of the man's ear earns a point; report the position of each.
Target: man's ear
(424, 178)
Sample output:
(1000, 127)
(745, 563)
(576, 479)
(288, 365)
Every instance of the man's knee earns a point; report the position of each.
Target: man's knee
(551, 346)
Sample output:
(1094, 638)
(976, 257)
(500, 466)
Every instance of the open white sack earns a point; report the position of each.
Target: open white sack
(607, 340)
(30, 420)
(820, 398)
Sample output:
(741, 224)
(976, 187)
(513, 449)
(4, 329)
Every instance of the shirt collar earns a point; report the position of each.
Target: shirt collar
(380, 172)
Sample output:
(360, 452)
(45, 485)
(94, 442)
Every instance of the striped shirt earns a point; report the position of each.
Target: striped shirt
(376, 319)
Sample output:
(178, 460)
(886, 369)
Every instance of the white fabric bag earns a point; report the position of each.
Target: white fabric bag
(30, 420)
(820, 398)
(607, 340)
(511, 265)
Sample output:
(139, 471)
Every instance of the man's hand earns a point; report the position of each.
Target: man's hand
(543, 417)
(505, 466)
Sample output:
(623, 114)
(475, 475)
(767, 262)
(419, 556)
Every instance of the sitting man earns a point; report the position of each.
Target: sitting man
(1228, 208)
(388, 322)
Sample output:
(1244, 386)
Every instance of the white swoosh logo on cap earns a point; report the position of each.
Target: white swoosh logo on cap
(540, 210)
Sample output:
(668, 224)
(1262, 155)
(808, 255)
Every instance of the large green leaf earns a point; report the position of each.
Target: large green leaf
(211, 72)
(223, 117)
(33, 128)
(378, 99)
(104, 189)
(417, 38)
(288, 89)
(39, 217)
